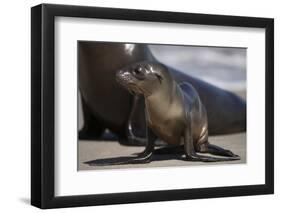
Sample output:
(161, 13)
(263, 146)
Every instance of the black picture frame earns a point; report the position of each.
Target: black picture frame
(43, 117)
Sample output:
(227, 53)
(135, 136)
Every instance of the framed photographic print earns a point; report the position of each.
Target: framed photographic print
(139, 106)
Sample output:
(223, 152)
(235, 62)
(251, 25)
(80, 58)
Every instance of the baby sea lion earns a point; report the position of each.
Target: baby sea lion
(173, 114)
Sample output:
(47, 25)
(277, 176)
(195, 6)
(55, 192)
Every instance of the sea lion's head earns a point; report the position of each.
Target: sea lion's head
(143, 78)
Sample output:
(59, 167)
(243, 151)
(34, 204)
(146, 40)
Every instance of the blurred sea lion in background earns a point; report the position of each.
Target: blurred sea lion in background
(106, 105)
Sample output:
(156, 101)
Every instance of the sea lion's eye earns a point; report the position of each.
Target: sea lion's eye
(138, 70)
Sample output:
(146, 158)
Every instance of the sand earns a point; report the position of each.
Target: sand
(92, 150)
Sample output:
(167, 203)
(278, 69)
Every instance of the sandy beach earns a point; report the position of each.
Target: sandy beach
(92, 150)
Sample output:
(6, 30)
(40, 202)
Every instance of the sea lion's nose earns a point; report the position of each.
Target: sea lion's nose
(123, 72)
(122, 75)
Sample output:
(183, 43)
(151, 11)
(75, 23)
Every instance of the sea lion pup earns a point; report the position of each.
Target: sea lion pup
(174, 115)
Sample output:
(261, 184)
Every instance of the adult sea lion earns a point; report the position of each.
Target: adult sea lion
(106, 105)
(174, 113)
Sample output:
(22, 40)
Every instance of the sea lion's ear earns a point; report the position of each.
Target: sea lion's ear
(160, 78)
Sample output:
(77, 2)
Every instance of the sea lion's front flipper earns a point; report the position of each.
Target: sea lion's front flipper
(143, 157)
(136, 130)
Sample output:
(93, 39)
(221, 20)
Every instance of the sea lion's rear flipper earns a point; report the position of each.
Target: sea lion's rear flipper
(216, 150)
(191, 155)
